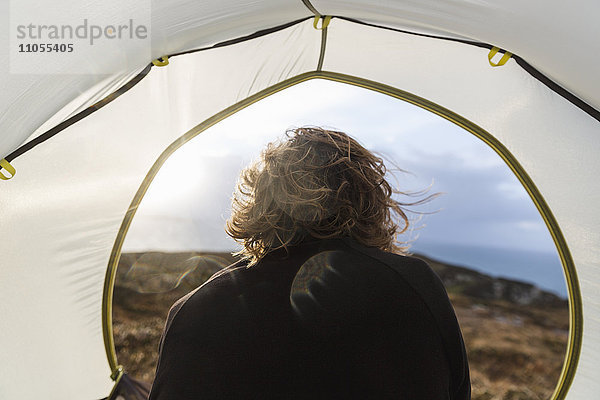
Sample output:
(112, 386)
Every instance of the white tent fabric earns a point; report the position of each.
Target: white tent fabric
(558, 39)
(62, 213)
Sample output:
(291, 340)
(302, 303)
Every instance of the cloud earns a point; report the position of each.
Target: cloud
(483, 202)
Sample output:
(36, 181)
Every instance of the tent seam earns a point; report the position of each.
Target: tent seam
(555, 87)
(241, 39)
(79, 116)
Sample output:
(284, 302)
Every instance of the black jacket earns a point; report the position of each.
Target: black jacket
(330, 319)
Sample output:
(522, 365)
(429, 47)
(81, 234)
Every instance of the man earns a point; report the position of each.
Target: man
(324, 302)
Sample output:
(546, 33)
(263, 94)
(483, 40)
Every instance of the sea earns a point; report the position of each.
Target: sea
(542, 269)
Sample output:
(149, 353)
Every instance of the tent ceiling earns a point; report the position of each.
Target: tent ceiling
(558, 39)
(568, 52)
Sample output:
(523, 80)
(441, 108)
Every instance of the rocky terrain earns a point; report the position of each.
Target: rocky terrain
(515, 333)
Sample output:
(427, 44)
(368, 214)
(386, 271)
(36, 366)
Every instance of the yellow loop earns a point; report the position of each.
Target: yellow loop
(161, 62)
(326, 20)
(6, 165)
(502, 61)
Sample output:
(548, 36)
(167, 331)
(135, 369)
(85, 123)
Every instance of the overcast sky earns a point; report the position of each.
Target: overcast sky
(483, 203)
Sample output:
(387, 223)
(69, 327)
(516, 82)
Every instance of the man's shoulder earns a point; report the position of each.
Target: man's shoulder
(378, 276)
(352, 282)
(405, 266)
(426, 284)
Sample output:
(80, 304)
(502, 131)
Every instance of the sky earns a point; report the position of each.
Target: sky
(483, 204)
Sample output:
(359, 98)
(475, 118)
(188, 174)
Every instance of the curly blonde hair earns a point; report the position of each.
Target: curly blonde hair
(317, 183)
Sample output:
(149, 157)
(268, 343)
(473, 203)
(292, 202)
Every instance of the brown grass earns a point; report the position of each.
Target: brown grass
(515, 351)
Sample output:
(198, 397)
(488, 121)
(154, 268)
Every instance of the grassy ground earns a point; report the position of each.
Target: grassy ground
(515, 351)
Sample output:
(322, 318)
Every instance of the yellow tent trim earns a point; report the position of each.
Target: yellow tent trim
(11, 170)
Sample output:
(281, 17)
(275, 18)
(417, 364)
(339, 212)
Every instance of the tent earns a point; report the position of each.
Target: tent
(83, 147)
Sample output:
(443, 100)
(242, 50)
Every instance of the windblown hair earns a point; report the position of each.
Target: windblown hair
(317, 183)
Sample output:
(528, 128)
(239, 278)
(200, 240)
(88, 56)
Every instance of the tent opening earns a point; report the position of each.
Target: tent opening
(484, 235)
